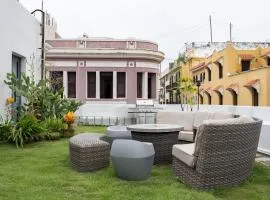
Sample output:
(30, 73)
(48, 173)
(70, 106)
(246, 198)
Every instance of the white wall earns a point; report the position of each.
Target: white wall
(19, 35)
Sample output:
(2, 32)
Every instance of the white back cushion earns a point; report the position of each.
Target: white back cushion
(176, 117)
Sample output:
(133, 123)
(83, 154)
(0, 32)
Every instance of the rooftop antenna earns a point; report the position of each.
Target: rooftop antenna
(42, 5)
(230, 32)
(211, 36)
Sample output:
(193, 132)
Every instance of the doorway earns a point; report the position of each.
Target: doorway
(106, 85)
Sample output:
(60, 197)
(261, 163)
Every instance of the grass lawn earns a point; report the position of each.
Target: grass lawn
(42, 171)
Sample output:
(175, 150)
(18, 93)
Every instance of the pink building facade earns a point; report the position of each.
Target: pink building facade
(104, 70)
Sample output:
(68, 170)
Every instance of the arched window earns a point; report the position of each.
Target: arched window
(220, 71)
(255, 97)
(234, 97)
(209, 98)
(220, 98)
(201, 99)
(209, 74)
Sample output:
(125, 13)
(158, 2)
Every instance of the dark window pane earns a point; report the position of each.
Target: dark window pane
(106, 85)
(268, 61)
(209, 74)
(234, 95)
(209, 99)
(71, 84)
(220, 97)
(220, 70)
(255, 97)
(139, 84)
(121, 84)
(245, 65)
(91, 84)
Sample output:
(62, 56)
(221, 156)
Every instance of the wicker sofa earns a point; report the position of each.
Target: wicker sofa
(188, 120)
(222, 155)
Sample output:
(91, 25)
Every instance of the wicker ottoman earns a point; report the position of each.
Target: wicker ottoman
(88, 152)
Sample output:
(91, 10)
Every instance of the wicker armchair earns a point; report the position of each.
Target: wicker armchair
(222, 155)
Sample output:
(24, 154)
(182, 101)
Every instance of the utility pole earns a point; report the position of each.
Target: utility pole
(211, 36)
(230, 32)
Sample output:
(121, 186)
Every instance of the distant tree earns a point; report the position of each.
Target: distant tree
(187, 91)
(181, 58)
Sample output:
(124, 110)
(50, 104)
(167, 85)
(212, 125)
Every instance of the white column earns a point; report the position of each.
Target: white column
(98, 84)
(157, 86)
(114, 84)
(145, 85)
(65, 83)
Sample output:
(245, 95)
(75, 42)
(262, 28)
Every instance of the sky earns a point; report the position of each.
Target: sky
(170, 23)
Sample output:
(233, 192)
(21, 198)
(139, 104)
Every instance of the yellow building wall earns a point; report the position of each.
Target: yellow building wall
(232, 75)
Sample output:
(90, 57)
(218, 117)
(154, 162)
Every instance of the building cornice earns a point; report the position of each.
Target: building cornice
(105, 53)
(97, 39)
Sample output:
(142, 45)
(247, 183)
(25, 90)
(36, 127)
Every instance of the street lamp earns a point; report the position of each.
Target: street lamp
(198, 84)
(42, 41)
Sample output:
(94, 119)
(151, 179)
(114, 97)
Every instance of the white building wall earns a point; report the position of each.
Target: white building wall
(19, 35)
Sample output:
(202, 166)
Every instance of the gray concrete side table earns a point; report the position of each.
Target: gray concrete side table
(162, 136)
(117, 132)
(132, 160)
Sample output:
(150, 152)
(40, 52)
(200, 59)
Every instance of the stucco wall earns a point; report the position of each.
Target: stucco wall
(19, 35)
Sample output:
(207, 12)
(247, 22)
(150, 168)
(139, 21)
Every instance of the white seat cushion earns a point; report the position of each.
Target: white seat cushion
(184, 152)
(186, 135)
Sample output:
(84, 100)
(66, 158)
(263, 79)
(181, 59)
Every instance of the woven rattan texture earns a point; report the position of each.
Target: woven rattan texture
(162, 142)
(89, 155)
(225, 156)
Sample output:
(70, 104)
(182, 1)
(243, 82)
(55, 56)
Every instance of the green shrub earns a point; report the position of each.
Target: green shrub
(27, 129)
(40, 100)
(54, 125)
(53, 136)
(5, 131)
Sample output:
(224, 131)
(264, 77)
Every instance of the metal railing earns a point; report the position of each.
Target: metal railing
(110, 121)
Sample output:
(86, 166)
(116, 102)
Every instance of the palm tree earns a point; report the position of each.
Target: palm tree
(187, 90)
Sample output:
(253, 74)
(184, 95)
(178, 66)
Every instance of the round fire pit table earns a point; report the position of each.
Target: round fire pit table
(162, 136)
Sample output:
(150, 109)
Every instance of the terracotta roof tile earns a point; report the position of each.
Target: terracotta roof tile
(198, 66)
(266, 53)
(246, 56)
(218, 88)
(252, 82)
(234, 87)
(207, 90)
(216, 60)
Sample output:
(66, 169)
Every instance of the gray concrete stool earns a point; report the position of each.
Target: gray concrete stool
(117, 132)
(132, 160)
(88, 152)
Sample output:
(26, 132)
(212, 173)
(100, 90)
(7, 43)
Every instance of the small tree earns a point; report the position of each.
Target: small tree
(187, 91)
